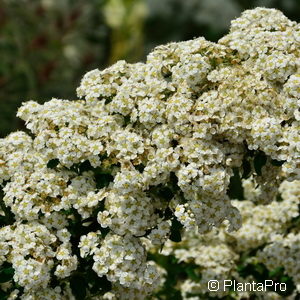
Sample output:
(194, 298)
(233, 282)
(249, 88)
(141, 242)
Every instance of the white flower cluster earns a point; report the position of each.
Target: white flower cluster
(218, 253)
(283, 249)
(156, 141)
(34, 250)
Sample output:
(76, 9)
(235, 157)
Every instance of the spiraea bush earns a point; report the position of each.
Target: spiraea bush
(138, 189)
(265, 248)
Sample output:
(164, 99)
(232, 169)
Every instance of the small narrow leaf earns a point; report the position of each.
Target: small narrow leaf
(176, 227)
(260, 160)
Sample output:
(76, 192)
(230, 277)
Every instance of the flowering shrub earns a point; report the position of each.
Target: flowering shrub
(152, 151)
(266, 247)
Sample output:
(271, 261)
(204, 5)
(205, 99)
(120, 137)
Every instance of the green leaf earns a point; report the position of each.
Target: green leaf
(166, 193)
(284, 278)
(104, 231)
(260, 269)
(235, 188)
(246, 168)
(260, 160)
(99, 285)
(78, 286)
(277, 163)
(140, 168)
(190, 270)
(3, 295)
(168, 213)
(85, 166)
(8, 219)
(126, 120)
(2, 221)
(176, 227)
(103, 284)
(103, 180)
(276, 272)
(66, 212)
(6, 274)
(52, 163)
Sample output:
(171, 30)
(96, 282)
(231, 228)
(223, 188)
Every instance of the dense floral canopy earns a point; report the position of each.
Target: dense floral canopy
(151, 147)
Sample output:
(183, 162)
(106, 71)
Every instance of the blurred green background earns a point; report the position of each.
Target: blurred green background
(46, 46)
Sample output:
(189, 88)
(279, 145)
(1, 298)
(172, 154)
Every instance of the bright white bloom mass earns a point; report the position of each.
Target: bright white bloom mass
(219, 255)
(151, 147)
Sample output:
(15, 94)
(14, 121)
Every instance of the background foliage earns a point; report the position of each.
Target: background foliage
(47, 45)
